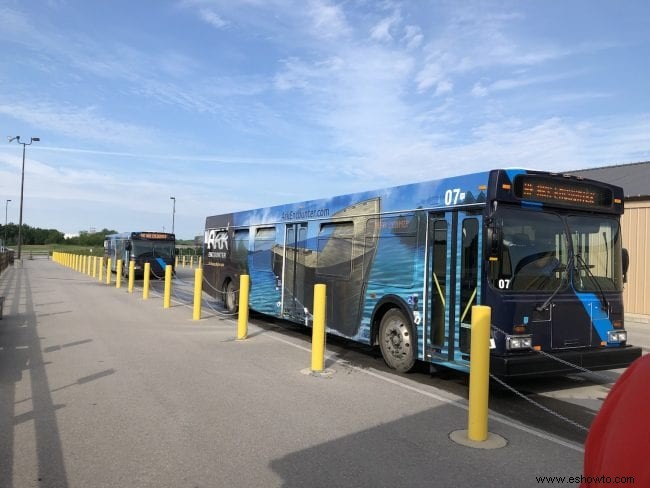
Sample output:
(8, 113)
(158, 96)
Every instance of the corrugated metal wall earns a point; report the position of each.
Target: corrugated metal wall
(635, 225)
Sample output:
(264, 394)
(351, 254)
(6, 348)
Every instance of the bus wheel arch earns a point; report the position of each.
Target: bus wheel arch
(393, 330)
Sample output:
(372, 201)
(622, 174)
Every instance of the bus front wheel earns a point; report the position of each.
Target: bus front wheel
(229, 297)
(397, 342)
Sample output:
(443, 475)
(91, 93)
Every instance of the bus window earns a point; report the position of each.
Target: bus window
(534, 252)
(597, 247)
(469, 269)
(396, 253)
(439, 278)
(264, 240)
(240, 251)
(335, 250)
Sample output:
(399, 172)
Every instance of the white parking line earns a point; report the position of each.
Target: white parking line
(448, 398)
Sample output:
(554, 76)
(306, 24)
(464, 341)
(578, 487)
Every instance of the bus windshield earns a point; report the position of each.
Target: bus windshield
(597, 247)
(535, 252)
(153, 248)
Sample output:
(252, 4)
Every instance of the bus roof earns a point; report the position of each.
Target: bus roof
(456, 191)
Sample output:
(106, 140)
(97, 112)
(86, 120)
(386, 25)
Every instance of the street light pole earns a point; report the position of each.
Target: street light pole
(6, 205)
(22, 185)
(173, 212)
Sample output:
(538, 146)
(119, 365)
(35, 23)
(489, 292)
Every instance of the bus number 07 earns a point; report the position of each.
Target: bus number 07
(451, 196)
(504, 284)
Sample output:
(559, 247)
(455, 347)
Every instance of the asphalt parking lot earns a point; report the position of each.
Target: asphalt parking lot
(100, 388)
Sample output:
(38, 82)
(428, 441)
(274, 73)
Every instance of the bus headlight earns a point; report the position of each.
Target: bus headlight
(519, 342)
(616, 336)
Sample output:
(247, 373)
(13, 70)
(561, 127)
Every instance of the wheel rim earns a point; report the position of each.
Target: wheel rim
(396, 343)
(230, 297)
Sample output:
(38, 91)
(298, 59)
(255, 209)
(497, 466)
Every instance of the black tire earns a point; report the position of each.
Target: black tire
(397, 342)
(230, 297)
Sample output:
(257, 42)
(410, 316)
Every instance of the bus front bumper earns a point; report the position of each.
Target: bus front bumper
(536, 364)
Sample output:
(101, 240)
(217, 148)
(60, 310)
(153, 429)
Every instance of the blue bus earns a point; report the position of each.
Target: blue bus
(404, 265)
(156, 248)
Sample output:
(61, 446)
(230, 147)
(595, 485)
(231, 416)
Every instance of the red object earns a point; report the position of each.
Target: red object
(618, 443)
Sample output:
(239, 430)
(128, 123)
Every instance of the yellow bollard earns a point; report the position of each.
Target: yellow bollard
(176, 262)
(198, 288)
(479, 374)
(109, 271)
(94, 266)
(183, 261)
(131, 275)
(242, 319)
(118, 274)
(318, 329)
(168, 287)
(145, 283)
(101, 269)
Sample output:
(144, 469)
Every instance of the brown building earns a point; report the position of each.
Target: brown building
(635, 180)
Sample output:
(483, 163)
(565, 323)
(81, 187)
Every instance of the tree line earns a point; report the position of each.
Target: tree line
(36, 236)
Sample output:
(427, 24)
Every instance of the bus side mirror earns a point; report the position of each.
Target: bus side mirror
(493, 241)
(625, 257)
(176, 251)
(128, 246)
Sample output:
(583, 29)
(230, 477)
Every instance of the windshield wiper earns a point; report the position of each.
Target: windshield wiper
(545, 305)
(593, 278)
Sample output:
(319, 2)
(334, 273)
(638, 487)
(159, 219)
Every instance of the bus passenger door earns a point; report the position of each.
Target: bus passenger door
(452, 284)
(468, 272)
(294, 271)
(436, 330)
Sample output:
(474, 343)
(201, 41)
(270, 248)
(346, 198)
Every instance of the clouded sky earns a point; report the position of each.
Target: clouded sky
(237, 104)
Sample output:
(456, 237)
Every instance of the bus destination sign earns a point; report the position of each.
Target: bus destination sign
(153, 236)
(561, 192)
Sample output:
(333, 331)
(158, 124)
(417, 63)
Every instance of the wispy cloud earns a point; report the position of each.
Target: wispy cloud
(481, 89)
(382, 30)
(472, 41)
(212, 18)
(327, 19)
(77, 122)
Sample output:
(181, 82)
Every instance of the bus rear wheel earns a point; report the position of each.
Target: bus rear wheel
(229, 297)
(396, 341)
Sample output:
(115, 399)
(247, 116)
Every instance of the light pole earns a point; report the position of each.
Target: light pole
(6, 205)
(173, 212)
(22, 185)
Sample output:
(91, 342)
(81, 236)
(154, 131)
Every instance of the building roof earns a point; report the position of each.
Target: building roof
(634, 178)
